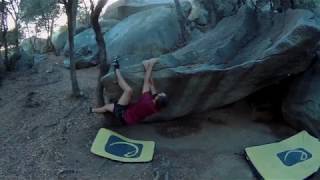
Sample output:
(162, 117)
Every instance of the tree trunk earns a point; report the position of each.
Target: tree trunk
(292, 4)
(16, 43)
(50, 44)
(87, 11)
(71, 13)
(6, 58)
(182, 22)
(102, 53)
(285, 4)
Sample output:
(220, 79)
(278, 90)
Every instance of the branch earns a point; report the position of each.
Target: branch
(101, 4)
(98, 8)
(91, 6)
(64, 2)
(85, 5)
(12, 2)
(15, 8)
(12, 15)
(255, 5)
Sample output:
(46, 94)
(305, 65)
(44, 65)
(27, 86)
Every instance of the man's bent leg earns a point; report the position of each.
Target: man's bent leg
(125, 97)
(122, 83)
(127, 90)
(103, 109)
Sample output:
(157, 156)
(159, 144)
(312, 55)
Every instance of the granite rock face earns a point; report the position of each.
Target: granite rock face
(85, 46)
(34, 45)
(122, 9)
(149, 31)
(59, 39)
(242, 54)
(301, 108)
(146, 34)
(21, 60)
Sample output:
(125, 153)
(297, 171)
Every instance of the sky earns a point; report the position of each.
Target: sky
(62, 20)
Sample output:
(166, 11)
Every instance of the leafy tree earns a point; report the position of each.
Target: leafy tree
(11, 37)
(84, 13)
(43, 13)
(4, 30)
(14, 10)
(102, 53)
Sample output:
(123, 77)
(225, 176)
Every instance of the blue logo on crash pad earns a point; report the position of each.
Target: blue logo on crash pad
(119, 147)
(294, 156)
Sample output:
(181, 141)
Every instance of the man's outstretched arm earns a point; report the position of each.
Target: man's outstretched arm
(148, 83)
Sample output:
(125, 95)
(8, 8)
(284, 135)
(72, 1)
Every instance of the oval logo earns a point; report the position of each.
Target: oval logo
(119, 147)
(294, 156)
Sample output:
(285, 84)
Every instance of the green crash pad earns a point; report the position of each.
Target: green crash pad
(113, 146)
(297, 157)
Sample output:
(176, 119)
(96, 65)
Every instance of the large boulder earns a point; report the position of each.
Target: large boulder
(146, 34)
(149, 33)
(306, 4)
(108, 24)
(200, 8)
(199, 15)
(34, 45)
(121, 9)
(21, 60)
(38, 58)
(59, 39)
(85, 46)
(81, 27)
(205, 14)
(301, 107)
(242, 54)
(225, 8)
(280, 5)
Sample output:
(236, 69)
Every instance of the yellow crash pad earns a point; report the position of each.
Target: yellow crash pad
(116, 147)
(294, 158)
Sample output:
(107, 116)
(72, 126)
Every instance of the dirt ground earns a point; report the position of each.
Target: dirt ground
(47, 134)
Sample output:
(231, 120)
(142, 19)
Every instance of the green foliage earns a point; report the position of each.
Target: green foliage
(83, 13)
(63, 28)
(33, 10)
(12, 37)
